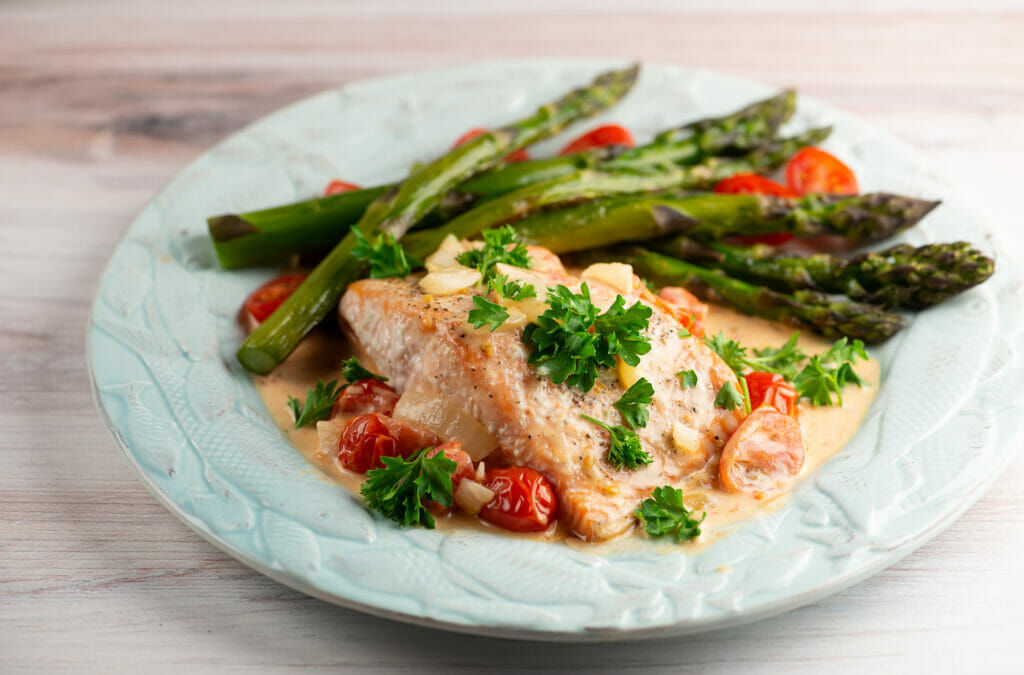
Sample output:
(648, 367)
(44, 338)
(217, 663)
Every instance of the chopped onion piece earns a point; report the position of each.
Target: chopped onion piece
(617, 275)
(329, 433)
(685, 439)
(447, 420)
(472, 496)
(449, 281)
(444, 258)
(481, 472)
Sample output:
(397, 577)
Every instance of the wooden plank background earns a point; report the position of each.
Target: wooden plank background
(101, 103)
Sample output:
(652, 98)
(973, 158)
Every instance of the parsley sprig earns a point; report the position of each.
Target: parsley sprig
(487, 313)
(688, 378)
(625, 451)
(730, 398)
(664, 514)
(571, 340)
(821, 379)
(319, 401)
(501, 245)
(397, 491)
(353, 371)
(826, 374)
(511, 289)
(634, 403)
(386, 256)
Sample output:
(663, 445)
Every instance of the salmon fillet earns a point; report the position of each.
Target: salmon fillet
(424, 344)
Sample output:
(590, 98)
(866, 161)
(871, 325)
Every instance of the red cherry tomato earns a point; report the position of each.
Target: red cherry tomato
(609, 134)
(520, 155)
(763, 455)
(366, 396)
(751, 183)
(773, 390)
(523, 500)
(262, 302)
(367, 438)
(339, 186)
(814, 170)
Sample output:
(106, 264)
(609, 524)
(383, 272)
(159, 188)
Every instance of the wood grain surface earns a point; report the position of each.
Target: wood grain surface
(101, 103)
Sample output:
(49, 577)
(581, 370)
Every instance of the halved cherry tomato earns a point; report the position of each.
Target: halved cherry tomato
(751, 183)
(367, 438)
(262, 302)
(363, 397)
(763, 455)
(521, 155)
(772, 389)
(523, 500)
(814, 170)
(609, 134)
(339, 186)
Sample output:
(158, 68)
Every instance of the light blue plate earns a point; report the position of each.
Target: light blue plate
(163, 334)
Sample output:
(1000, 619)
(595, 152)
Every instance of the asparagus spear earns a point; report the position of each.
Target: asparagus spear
(593, 184)
(400, 207)
(829, 315)
(899, 276)
(260, 237)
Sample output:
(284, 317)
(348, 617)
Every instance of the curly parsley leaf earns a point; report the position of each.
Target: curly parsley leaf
(397, 491)
(319, 401)
(508, 288)
(625, 451)
(688, 378)
(386, 256)
(571, 340)
(501, 245)
(353, 371)
(486, 313)
(731, 352)
(664, 513)
(729, 398)
(826, 374)
(633, 404)
(785, 360)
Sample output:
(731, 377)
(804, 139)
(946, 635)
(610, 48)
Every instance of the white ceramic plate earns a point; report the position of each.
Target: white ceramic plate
(163, 334)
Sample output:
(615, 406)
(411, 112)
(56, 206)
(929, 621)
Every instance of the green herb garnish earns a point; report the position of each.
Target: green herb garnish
(663, 513)
(688, 378)
(508, 288)
(827, 373)
(397, 491)
(353, 371)
(729, 398)
(319, 401)
(633, 404)
(501, 245)
(386, 256)
(571, 340)
(486, 313)
(625, 451)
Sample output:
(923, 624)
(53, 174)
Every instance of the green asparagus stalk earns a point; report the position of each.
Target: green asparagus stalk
(399, 208)
(267, 236)
(829, 315)
(593, 184)
(900, 276)
(261, 237)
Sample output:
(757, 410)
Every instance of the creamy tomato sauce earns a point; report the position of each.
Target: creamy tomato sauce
(825, 429)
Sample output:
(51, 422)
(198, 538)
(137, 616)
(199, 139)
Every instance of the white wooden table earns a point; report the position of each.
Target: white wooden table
(100, 104)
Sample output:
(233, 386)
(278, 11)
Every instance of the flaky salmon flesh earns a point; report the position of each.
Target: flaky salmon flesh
(423, 343)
